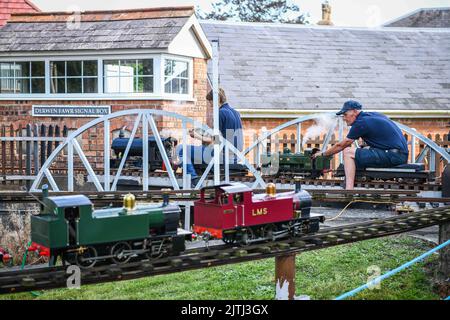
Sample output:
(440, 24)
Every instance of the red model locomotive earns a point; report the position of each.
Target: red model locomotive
(234, 214)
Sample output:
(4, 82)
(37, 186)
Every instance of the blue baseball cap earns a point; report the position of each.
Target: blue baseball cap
(349, 105)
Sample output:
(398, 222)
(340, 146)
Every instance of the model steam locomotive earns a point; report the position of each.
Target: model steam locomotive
(235, 215)
(287, 162)
(69, 227)
(134, 158)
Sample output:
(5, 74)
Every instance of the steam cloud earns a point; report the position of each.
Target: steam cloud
(322, 125)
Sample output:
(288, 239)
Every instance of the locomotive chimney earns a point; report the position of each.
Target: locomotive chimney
(298, 184)
(271, 190)
(129, 202)
(165, 193)
(44, 191)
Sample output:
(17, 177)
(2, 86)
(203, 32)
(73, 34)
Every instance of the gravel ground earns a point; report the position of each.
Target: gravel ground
(361, 215)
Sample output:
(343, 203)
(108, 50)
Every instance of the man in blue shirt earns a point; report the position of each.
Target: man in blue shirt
(230, 127)
(387, 147)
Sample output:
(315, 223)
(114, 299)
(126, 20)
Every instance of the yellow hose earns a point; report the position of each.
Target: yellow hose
(353, 201)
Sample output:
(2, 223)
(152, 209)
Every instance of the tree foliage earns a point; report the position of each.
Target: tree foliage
(255, 11)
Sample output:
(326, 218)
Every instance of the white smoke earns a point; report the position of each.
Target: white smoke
(322, 125)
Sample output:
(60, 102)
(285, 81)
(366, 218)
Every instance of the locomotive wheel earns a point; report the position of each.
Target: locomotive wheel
(268, 231)
(229, 238)
(117, 251)
(154, 255)
(247, 235)
(86, 259)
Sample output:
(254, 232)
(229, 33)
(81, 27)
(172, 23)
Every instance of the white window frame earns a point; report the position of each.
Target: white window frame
(190, 63)
(65, 77)
(30, 78)
(134, 77)
(158, 78)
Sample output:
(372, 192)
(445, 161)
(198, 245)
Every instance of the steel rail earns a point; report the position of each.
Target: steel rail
(39, 278)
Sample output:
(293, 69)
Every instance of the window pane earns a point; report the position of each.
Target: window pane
(111, 84)
(38, 85)
(38, 69)
(57, 68)
(111, 68)
(175, 86)
(180, 69)
(22, 69)
(58, 85)
(90, 85)
(111, 76)
(90, 68)
(128, 68)
(73, 85)
(168, 87)
(126, 84)
(145, 67)
(22, 85)
(168, 66)
(184, 86)
(145, 84)
(74, 69)
(128, 76)
(6, 69)
(7, 85)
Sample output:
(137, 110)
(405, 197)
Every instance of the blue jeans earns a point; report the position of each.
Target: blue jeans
(377, 158)
(195, 155)
(199, 155)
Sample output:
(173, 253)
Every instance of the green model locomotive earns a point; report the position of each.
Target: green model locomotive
(287, 162)
(69, 227)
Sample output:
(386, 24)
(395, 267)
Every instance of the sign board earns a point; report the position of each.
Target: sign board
(70, 111)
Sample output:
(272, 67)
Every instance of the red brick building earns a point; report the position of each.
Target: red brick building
(144, 58)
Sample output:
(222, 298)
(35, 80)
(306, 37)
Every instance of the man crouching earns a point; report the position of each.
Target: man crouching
(387, 147)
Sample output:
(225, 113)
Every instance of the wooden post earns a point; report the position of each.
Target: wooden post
(11, 150)
(444, 255)
(285, 277)
(43, 145)
(3, 161)
(20, 152)
(28, 157)
(35, 149)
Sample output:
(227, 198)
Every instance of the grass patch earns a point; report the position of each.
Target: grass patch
(322, 274)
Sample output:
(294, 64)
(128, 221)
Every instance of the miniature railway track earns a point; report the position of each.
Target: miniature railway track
(38, 278)
(289, 179)
(326, 195)
(330, 195)
(129, 173)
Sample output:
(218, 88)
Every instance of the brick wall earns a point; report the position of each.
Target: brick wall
(19, 112)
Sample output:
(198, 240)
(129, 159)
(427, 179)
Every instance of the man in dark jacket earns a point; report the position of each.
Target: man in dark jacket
(230, 127)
